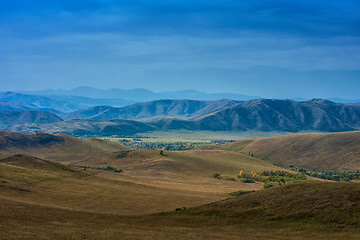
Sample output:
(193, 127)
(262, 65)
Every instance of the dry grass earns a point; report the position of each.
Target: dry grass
(254, 216)
(150, 182)
(310, 150)
(58, 147)
(41, 199)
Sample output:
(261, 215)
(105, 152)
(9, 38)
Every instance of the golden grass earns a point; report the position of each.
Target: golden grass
(150, 182)
(65, 149)
(258, 215)
(41, 199)
(309, 150)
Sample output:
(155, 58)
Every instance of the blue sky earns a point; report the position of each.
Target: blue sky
(267, 48)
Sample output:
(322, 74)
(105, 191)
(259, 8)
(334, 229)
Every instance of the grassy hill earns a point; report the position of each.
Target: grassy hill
(308, 150)
(163, 196)
(59, 147)
(300, 211)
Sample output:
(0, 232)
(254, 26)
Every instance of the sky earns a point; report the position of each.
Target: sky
(267, 48)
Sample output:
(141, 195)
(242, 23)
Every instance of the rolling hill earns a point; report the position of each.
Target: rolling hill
(166, 196)
(296, 212)
(59, 147)
(308, 150)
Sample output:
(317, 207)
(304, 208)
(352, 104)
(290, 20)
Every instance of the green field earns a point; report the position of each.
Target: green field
(185, 135)
(185, 140)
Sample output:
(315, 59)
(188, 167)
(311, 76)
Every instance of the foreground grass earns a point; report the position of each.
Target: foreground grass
(276, 213)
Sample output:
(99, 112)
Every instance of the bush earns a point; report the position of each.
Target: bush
(230, 178)
(246, 180)
(216, 175)
(268, 185)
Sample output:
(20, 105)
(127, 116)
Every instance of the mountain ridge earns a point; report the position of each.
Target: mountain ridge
(262, 115)
(166, 107)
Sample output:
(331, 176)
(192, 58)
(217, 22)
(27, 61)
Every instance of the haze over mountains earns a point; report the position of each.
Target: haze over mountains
(140, 94)
(222, 115)
(118, 112)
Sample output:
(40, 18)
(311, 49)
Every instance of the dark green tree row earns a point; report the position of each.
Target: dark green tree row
(271, 178)
(334, 175)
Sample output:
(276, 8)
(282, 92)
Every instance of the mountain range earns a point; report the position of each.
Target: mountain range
(222, 115)
(174, 108)
(53, 103)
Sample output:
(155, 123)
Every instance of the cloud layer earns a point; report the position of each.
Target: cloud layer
(238, 46)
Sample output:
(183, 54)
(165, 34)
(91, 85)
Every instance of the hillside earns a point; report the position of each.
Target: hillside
(308, 150)
(128, 182)
(171, 108)
(32, 163)
(58, 147)
(108, 186)
(302, 211)
(331, 204)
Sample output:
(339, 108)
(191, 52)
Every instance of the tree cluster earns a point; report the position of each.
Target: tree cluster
(334, 175)
(271, 178)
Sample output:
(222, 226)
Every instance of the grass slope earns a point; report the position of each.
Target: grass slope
(185, 170)
(309, 150)
(149, 182)
(59, 147)
(299, 211)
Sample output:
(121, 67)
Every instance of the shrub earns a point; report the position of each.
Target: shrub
(246, 180)
(216, 175)
(230, 178)
(268, 185)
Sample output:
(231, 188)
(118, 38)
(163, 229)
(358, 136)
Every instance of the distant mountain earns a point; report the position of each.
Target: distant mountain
(39, 101)
(81, 127)
(256, 115)
(55, 103)
(140, 94)
(345, 101)
(283, 115)
(14, 106)
(173, 108)
(85, 102)
(9, 118)
(196, 95)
